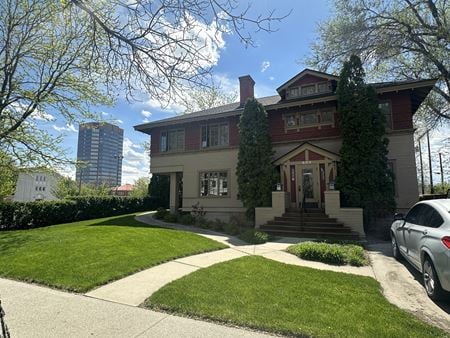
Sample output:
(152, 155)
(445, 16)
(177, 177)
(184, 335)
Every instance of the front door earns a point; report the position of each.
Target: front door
(308, 185)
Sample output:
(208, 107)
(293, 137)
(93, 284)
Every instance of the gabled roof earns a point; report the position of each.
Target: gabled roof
(306, 146)
(304, 72)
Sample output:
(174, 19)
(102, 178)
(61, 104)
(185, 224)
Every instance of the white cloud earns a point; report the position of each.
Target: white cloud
(264, 66)
(40, 115)
(136, 162)
(145, 120)
(69, 128)
(146, 113)
(271, 78)
(119, 121)
(104, 114)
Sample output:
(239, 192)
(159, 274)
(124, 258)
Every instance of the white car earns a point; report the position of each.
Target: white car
(422, 237)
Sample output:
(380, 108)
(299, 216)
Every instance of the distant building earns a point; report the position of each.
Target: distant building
(100, 148)
(123, 190)
(35, 186)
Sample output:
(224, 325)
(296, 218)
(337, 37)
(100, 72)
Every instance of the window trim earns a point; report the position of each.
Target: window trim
(199, 185)
(167, 131)
(316, 89)
(318, 113)
(208, 125)
(391, 127)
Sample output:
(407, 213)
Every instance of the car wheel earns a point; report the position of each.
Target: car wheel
(395, 250)
(431, 281)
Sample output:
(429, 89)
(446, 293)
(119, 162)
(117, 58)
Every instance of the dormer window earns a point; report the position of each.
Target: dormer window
(308, 90)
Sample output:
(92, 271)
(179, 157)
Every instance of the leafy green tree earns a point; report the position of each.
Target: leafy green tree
(8, 176)
(60, 59)
(67, 187)
(160, 188)
(140, 187)
(364, 177)
(255, 172)
(396, 40)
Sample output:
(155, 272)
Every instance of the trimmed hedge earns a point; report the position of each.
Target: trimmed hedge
(27, 215)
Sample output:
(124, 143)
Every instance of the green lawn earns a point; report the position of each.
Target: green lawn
(264, 294)
(79, 256)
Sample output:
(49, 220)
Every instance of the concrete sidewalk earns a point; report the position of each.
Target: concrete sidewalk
(135, 289)
(34, 311)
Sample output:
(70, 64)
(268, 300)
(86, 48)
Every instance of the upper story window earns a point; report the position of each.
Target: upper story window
(215, 135)
(386, 109)
(172, 140)
(308, 90)
(309, 118)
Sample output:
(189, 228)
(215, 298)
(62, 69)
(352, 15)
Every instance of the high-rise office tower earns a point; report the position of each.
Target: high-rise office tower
(100, 148)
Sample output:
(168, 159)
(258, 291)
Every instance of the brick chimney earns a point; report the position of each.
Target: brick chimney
(247, 88)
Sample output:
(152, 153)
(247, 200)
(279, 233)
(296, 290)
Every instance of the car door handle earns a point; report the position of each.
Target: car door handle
(425, 232)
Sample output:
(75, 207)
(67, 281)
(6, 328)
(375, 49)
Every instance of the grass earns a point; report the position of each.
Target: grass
(82, 255)
(330, 253)
(259, 293)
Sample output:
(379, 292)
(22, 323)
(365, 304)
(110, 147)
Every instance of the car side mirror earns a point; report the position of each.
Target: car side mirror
(398, 216)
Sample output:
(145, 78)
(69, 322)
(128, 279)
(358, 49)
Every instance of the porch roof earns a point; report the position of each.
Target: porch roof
(306, 146)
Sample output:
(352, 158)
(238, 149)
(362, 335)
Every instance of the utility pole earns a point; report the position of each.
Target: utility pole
(429, 162)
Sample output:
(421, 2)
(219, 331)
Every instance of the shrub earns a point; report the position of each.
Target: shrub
(254, 236)
(161, 213)
(231, 229)
(338, 254)
(186, 219)
(170, 218)
(26, 215)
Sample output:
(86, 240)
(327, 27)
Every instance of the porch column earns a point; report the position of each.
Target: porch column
(173, 200)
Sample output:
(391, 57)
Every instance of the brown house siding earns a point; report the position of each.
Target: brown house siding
(401, 109)
(308, 79)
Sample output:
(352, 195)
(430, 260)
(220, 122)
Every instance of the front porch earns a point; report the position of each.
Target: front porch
(306, 172)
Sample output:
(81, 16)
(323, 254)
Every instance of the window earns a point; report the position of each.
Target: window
(308, 90)
(413, 214)
(172, 140)
(214, 184)
(323, 87)
(291, 120)
(326, 116)
(215, 135)
(385, 108)
(430, 217)
(293, 92)
(308, 119)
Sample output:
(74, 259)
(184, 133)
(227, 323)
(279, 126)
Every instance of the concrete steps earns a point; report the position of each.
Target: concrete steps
(310, 223)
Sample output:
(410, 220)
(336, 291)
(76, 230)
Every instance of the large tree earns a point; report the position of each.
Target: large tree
(64, 57)
(255, 172)
(364, 177)
(405, 39)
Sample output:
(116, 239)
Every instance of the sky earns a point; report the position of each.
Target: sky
(277, 57)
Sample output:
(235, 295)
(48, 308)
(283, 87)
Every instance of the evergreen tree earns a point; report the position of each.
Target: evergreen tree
(255, 172)
(364, 178)
(160, 188)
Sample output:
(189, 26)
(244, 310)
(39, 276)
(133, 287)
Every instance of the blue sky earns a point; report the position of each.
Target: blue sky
(276, 58)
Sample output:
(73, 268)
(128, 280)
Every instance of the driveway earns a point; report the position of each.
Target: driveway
(402, 286)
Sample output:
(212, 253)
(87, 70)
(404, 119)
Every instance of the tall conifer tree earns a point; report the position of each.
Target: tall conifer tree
(255, 172)
(364, 177)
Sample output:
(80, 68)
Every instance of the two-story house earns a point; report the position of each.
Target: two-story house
(199, 151)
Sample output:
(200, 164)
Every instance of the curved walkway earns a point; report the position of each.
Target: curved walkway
(135, 289)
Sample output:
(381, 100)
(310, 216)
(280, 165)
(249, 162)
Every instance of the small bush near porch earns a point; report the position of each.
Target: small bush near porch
(82, 255)
(336, 254)
(263, 294)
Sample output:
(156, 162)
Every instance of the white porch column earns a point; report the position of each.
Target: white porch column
(173, 199)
